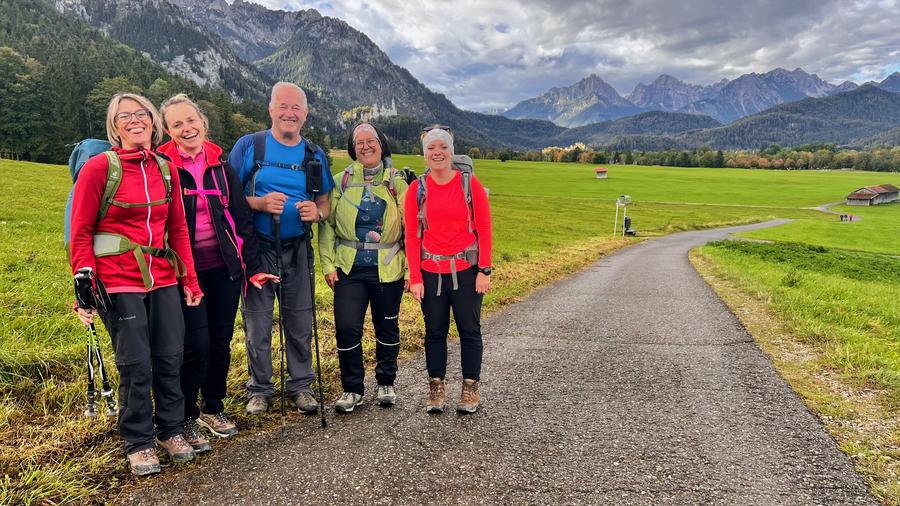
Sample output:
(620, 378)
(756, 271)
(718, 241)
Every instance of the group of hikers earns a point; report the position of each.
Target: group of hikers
(185, 236)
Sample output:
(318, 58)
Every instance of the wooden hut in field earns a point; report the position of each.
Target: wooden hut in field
(601, 172)
(874, 195)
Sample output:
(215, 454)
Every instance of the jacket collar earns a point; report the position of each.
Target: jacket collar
(213, 153)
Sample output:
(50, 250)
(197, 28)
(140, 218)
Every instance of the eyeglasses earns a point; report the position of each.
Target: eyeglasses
(370, 142)
(442, 127)
(125, 117)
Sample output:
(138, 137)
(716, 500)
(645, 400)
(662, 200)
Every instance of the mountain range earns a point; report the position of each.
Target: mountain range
(592, 100)
(244, 47)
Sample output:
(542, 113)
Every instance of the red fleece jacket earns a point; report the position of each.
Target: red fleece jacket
(448, 232)
(142, 182)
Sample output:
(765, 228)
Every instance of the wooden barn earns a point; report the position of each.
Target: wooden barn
(874, 195)
(601, 172)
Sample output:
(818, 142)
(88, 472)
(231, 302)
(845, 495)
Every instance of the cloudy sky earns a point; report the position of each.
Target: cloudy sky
(486, 55)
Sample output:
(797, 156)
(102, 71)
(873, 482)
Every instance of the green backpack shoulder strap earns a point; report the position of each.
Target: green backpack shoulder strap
(167, 176)
(113, 180)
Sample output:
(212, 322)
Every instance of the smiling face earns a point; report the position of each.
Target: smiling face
(438, 155)
(288, 111)
(368, 150)
(133, 131)
(185, 127)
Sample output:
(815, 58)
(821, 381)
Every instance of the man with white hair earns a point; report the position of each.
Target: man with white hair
(272, 165)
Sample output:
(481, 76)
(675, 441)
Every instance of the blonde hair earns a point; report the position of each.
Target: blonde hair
(112, 128)
(283, 84)
(182, 98)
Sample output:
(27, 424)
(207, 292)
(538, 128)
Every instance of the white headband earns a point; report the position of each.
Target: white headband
(437, 134)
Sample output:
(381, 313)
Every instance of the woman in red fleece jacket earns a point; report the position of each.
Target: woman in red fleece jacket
(453, 234)
(144, 322)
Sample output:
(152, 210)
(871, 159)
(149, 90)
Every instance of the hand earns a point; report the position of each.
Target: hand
(189, 297)
(309, 211)
(482, 283)
(86, 316)
(417, 291)
(258, 280)
(331, 278)
(406, 285)
(273, 203)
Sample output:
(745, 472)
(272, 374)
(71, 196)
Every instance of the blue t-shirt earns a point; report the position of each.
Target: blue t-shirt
(276, 179)
(369, 227)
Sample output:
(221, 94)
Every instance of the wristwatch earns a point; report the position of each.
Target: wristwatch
(485, 270)
(321, 216)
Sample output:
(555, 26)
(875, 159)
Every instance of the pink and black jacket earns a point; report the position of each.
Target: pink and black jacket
(230, 211)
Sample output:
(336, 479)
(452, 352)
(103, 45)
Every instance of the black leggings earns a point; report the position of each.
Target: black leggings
(466, 305)
(209, 328)
(353, 293)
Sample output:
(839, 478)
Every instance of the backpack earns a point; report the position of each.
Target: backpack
(108, 244)
(463, 165)
(82, 152)
(259, 159)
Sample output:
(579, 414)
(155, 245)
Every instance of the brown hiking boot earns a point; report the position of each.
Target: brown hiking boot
(194, 438)
(144, 462)
(218, 424)
(177, 448)
(468, 400)
(437, 395)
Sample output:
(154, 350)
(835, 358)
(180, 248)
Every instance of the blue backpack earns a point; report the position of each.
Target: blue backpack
(83, 151)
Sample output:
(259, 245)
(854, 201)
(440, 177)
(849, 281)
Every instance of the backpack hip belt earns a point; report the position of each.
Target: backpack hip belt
(394, 247)
(469, 254)
(108, 244)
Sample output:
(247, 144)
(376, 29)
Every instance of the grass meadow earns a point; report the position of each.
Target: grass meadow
(550, 220)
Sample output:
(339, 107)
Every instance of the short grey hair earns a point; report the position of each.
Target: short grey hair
(283, 84)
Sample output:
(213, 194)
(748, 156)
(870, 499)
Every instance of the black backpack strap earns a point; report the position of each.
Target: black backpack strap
(259, 158)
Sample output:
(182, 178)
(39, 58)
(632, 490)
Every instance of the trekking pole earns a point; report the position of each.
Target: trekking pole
(315, 185)
(311, 262)
(85, 298)
(276, 227)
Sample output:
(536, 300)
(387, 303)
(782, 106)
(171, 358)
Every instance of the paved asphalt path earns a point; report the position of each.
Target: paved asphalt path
(629, 383)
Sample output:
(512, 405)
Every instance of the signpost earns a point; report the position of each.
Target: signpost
(623, 201)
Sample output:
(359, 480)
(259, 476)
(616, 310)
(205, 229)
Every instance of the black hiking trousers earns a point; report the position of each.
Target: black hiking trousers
(208, 330)
(466, 305)
(147, 333)
(353, 294)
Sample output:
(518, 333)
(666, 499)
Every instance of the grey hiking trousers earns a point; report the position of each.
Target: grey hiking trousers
(257, 309)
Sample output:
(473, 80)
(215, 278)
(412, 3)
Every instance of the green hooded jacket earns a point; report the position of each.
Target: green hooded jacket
(342, 223)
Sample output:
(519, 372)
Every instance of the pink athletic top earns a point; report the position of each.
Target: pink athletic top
(207, 255)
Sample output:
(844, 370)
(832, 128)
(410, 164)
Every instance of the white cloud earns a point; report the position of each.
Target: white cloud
(486, 55)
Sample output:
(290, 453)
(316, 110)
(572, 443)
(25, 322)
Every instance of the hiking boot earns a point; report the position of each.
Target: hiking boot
(468, 400)
(348, 402)
(177, 448)
(218, 424)
(144, 462)
(437, 395)
(193, 437)
(386, 395)
(258, 405)
(306, 403)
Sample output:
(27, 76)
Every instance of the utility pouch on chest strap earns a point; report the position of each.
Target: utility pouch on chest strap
(470, 255)
(114, 244)
(394, 247)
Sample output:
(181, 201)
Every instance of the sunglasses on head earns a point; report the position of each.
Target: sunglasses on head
(442, 127)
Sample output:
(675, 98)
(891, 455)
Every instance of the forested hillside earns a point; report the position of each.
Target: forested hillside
(57, 75)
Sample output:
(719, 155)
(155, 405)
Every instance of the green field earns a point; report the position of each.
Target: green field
(549, 220)
(749, 187)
